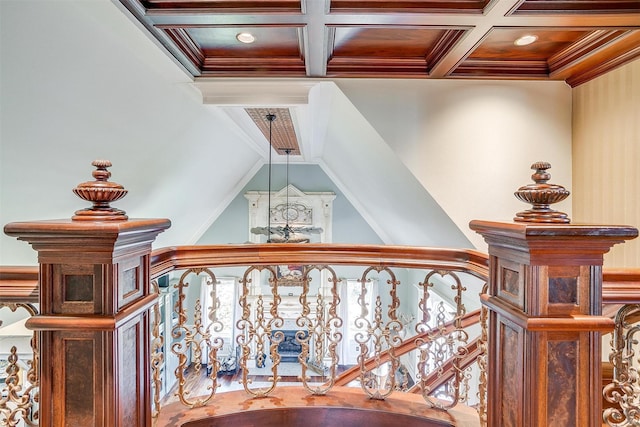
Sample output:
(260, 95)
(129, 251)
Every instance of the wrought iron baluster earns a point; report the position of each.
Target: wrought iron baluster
(18, 401)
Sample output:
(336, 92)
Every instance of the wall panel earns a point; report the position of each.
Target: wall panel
(606, 156)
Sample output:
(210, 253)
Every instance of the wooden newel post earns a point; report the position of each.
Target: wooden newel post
(94, 310)
(545, 302)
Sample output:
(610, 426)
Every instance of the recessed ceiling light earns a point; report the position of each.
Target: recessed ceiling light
(525, 40)
(245, 38)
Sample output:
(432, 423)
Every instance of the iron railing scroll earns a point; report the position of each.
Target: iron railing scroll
(402, 341)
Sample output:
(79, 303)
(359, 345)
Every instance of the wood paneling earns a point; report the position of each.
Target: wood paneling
(578, 39)
(283, 135)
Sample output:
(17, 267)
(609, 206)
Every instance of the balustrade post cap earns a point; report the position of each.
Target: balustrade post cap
(540, 195)
(100, 192)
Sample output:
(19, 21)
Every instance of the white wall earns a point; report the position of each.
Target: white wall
(80, 82)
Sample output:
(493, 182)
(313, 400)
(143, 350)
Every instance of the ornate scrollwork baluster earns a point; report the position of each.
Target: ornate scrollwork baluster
(440, 346)
(323, 331)
(157, 356)
(482, 361)
(624, 391)
(201, 334)
(258, 331)
(18, 402)
(378, 336)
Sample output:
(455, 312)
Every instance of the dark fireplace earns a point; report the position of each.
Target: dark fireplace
(290, 348)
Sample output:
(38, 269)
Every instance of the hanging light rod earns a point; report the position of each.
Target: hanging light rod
(287, 231)
(270, 118)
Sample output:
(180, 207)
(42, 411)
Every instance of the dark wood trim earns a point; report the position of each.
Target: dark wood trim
(621, 286)
(407, 345)
(19, 284)
(187, 45)
(178, 257)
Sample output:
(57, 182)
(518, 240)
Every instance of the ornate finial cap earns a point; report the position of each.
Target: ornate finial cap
(541, 195)
(100, 192)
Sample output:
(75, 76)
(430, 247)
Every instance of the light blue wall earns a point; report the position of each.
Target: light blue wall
(232, 226)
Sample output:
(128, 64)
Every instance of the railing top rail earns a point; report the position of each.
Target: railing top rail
(168, 259)
(620, 286)
(19, 284)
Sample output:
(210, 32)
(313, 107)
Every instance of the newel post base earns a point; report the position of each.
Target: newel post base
(545, 302)
(94, 320)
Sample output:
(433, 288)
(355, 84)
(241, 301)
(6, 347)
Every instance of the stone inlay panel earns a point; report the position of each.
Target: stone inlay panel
(78, 287)
(510, 281)
(129, 281)
(79, 384)
(129, 391)
(563, 290)
(511, 377)
(561, 382)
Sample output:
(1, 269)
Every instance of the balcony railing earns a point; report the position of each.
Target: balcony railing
(398, 328)
(399, 313)
(403, 310)
(382, 318)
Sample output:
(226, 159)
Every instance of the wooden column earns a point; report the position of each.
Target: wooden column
(94, 303)
(545, 301)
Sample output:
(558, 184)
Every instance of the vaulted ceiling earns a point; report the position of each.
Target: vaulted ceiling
(576, 40)
(411, 172)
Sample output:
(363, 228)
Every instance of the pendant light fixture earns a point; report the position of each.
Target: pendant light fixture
(287, 231)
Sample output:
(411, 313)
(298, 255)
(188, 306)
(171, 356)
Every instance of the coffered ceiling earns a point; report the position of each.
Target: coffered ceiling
(577, 40)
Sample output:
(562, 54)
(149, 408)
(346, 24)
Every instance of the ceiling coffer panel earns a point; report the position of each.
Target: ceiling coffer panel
(224, 6)
(415, 6)
(558, 53)
(216, 50)
(578, 6)
(410, 51)
(577, 40)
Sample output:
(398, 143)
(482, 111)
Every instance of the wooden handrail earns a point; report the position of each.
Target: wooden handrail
(437, 378)
(408, 345)
(166, 260)
(621, 286)
(19, 284)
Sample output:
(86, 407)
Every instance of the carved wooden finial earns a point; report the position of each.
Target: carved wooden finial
(100, 192)
(541, 195)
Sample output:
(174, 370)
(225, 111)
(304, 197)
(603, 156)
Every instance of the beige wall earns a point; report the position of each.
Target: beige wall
(471, 143)
(606, 156)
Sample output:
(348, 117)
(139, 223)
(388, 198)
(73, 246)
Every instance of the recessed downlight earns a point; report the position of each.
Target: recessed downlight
(245, 38)
(525, 40)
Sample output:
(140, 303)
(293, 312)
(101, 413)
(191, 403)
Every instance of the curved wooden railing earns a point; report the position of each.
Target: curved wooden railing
(166, 260)
(621, 288)
(19, 284)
